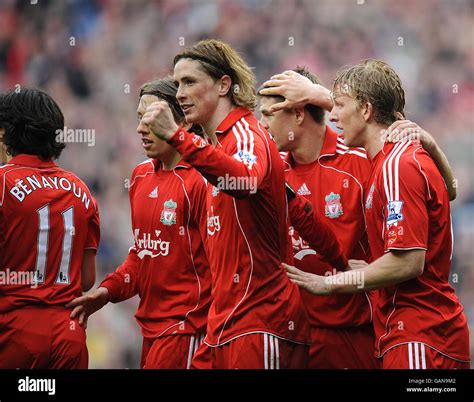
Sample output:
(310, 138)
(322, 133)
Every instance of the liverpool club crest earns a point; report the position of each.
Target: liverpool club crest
(333, 206)
(168, 214)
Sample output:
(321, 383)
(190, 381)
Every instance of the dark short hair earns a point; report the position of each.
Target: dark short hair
(166, 89)
(278, 98)
(316, 112)
(31, 120)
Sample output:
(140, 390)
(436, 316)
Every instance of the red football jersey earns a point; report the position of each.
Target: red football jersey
(47, 218)
(167, 266)
(407, 208)
(334, 184)
(247, 228)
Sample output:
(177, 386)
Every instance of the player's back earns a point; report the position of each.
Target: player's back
(47, 218)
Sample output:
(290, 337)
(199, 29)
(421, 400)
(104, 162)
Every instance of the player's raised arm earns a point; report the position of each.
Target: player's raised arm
(249, 162)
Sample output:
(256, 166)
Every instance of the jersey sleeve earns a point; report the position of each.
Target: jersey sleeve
(248, 165)
(93, 232)
(123, 283)
(405, 214)
(316, 232)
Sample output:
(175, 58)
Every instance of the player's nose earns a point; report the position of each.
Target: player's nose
(180, 94)
(142, 128)
(333, 115)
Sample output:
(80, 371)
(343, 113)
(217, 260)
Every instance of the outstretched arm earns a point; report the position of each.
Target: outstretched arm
(390, 269)
(117, 286)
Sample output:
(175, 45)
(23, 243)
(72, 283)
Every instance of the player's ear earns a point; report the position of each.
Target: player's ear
(3, 149)
(367, 111)
(299, 115)
(225, 85)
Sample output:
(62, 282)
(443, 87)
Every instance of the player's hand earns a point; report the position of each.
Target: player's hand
(88, 304)
(356, 264)
(315, 284)
(406, 130)
(296, 89)
(159, 118)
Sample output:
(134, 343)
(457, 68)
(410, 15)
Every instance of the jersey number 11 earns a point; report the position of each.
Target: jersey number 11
(43, 239)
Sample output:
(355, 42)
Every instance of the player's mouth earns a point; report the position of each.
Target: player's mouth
(147, 143)
(186, 108)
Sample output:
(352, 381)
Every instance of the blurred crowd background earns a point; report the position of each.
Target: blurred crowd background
(92, 56)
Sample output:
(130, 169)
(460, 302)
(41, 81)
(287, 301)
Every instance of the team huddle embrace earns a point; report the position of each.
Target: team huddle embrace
(258, 244)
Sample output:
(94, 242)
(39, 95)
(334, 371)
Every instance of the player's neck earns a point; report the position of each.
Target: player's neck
(212, 137)
(373, 139)
(4, 157)
(309, 145)
(224, 107)
(170, 161)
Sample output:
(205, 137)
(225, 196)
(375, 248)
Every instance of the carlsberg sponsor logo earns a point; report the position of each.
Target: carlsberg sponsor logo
(152, 246)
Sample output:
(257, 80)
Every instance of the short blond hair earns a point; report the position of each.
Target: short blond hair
(217, 59)
(373, 81)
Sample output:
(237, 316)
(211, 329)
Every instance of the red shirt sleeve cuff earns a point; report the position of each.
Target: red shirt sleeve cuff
(175, 139)
(113, 287)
